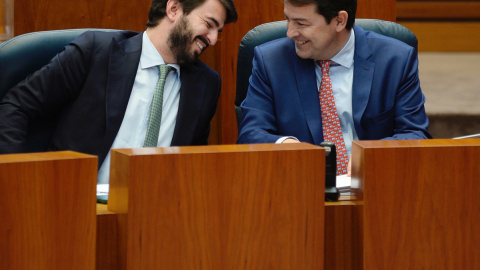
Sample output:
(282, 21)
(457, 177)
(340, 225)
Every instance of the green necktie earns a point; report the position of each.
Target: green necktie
(155, 118)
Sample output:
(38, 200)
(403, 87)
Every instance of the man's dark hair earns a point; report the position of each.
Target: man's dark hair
(330, 8)
(158, 10)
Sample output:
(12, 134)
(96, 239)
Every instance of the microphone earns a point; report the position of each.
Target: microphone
(332, 194)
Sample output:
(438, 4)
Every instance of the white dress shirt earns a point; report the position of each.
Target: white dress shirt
(134, 125)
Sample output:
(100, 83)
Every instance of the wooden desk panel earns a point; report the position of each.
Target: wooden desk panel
(223, 207)
(343, 244)
(343, 236)
(421, 203)
(47, 211)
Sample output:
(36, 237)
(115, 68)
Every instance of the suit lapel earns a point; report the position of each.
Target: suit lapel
(362, 78)
(307, 89)
(123, 64)
(191, 102)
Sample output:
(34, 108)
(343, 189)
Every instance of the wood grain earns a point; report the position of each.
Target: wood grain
(107, 241)
(421, 204)
(343, 242)
(224, 207)
(47, 211)
(438, 10)
(446, 36)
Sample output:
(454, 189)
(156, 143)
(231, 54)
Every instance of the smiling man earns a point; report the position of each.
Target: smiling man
(126, 89)
(332, 81)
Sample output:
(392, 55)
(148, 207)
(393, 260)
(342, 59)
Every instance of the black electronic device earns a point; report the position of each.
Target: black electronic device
(331, 191)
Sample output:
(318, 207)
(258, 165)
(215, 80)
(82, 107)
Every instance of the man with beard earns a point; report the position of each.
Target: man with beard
(104, 86)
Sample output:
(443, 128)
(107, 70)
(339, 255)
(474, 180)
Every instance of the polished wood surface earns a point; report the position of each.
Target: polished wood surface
(47, 211)
(421, 203)
(377, 9)
(342, 246)
(132, 15)
(2, 18)
(224, 207)
(442, 26)
(107, 239)
(57, 14)
(446, 36)
(443, 10)
(343, 235)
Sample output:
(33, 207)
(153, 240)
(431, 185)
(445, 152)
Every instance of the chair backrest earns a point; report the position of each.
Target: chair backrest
(24, 54)
(274, 30)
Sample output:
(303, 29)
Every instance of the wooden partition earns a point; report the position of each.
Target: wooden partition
(442, 25)
(221, 207)
(420, 203)
(47, 211)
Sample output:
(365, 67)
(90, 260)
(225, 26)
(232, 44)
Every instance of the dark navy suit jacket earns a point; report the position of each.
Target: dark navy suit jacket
(89, 85)
(282, 98)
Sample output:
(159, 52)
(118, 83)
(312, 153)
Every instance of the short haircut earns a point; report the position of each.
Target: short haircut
(158, 10)
(330, 8)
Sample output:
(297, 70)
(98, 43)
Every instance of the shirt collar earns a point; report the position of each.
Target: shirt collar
(345, 56)
(150, 57)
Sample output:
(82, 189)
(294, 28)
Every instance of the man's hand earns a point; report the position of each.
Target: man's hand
(290, 141)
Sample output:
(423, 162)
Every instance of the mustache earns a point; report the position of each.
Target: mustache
(205, 41)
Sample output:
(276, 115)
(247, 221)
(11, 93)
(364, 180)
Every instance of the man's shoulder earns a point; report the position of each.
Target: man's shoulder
(111, 33)
(379, 41)
(282, 49)
(105, 36)
(102, 40)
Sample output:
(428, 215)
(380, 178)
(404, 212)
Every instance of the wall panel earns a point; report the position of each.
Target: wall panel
(442, 26)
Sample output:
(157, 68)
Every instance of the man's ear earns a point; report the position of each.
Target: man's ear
(341, 20)
(173, 10)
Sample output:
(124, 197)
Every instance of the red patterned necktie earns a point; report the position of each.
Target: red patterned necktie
(332, 132)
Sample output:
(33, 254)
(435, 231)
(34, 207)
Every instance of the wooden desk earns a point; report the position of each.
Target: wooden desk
(342, 236)
(47, 211)
(219, 207)
(421, 203)
(417, 208)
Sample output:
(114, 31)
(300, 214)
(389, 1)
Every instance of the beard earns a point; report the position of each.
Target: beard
(180, 42)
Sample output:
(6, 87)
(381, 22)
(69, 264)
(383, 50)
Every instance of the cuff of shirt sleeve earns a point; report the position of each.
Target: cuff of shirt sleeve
(282, 139)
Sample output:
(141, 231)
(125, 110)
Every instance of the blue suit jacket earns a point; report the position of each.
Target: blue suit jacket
(282, 98)
(89, 86)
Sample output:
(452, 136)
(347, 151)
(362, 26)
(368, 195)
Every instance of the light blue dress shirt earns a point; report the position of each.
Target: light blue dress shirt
(134, 125)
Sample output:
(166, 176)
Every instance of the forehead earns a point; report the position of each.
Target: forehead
(212, 9)
(306, 12)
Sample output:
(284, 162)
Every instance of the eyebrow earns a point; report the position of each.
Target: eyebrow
(215, 22)
(295, 19)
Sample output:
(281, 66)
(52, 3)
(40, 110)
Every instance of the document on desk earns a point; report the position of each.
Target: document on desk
(102, 189)
(102, 193)
(344, 184)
